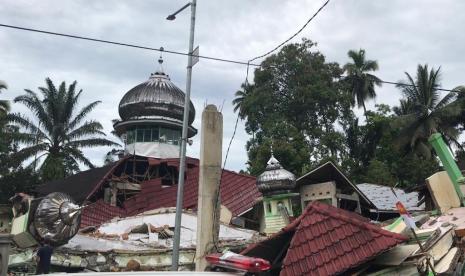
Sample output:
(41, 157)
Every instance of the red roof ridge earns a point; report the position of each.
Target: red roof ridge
(240, 174)
(349, 217)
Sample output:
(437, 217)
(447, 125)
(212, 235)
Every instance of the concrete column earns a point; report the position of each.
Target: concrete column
(208, 213)
(448, 163)
(5, 241)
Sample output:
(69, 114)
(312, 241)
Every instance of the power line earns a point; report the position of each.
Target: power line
(126, 44)
(294, 35)
(186, 54)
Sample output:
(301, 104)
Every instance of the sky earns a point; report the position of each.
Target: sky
(398, 34)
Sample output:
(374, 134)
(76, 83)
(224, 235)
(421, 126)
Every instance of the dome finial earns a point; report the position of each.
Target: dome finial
(160, 64)
(273, 161)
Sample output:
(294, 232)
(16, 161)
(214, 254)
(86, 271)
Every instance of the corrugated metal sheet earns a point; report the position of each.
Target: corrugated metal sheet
(385, 199)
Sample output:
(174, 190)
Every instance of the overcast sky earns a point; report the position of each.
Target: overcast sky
(399, 34)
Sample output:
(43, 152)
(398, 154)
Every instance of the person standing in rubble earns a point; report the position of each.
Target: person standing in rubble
(44, 256)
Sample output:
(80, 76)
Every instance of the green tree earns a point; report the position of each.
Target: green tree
(4, 104)
(295, 103)
(13, 178)
(361, 81)
(375, 157)
(378, 172)
(239, 102)
(426, 112)
(61, 132)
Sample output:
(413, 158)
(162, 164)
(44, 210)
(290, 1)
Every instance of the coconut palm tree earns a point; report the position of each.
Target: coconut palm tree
(405, 107)
(361, 82)
(240, 101)
(4, 105)
(61, 130)
(426, 112)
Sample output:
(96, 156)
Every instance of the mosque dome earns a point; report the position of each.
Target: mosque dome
(156, 102)
(155, 98)
(275, 179)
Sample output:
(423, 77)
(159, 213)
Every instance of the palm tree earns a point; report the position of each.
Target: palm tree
(361, 82)
(61, 131)
(425, 112)
(240, 101)
(4, 105)
(405, 107)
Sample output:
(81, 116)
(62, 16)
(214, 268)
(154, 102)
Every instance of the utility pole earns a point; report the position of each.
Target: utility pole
(208, 207)
(185, 123)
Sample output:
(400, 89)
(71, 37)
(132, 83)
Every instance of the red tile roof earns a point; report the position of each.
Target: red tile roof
(326, 241)
(98, 212)
(238, 193)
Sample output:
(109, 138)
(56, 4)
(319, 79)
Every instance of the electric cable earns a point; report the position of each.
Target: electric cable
(294, 35)
(127, 45)
(161, 49)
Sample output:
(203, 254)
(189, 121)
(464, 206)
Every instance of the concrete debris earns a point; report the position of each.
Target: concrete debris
(442, 191)
(449, 262)
(139, 243)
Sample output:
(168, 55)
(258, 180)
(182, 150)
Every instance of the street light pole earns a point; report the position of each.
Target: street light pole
(185, 123)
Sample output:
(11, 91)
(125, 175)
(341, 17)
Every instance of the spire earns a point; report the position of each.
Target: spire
(273, 162)
(160, 64)
(275, 179)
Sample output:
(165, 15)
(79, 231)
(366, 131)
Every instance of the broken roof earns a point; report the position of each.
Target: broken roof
(330, 172)
(238, 192)
(325, 240)
(110, 235)
(385, 200)
(78, 185)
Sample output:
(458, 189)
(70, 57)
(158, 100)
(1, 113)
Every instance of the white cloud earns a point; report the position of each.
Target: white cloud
(399, 34)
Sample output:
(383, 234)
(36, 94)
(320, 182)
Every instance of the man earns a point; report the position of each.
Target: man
(44, 255)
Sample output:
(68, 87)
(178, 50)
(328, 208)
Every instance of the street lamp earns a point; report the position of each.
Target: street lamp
(185, 123)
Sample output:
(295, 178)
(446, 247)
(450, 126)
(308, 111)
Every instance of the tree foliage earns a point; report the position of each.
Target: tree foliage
(301, 104)
(61, 132)
(294, 103)
(4, 104)
(361, 82)
(423, 111)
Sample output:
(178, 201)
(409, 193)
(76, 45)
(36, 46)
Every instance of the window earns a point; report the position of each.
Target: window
(268, 207)
(155, 134)
(169, 136)
(148, 135)
(130, 137)
(140, 135)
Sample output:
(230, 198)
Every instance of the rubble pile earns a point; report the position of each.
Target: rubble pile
(143, 242)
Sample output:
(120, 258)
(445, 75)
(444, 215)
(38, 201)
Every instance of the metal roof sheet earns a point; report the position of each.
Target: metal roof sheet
(385, 200)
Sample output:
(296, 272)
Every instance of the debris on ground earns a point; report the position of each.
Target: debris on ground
(138, 243)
